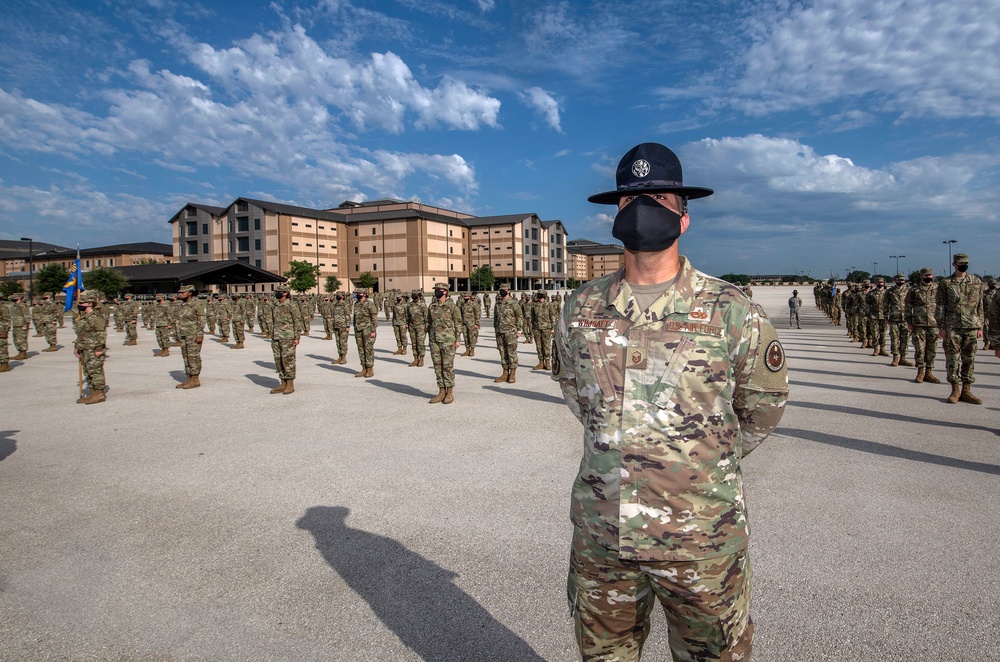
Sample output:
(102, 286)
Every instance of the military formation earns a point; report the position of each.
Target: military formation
(959, 310)
(182, 320)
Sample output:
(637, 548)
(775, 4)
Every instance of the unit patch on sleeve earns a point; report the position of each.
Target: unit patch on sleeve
(774, 358)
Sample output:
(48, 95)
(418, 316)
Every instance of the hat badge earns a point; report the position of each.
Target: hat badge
(640, 168)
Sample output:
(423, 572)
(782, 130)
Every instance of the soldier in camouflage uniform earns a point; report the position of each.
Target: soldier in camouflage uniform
(486, 304)
(286, 325)
(543, 321)
(266, 304)
(249, 311)
(326, 314)
(224, 316)
(921, 307)
(876, 313)
(91, 347)
(189, 324)
(993, 314)
(4, 333)
(128, 315)
(306, 307)
(866, 328)
(988, 295)
(48, 314)
(507, 323)
(163, 324)
(341, 325)
(365, 326)
(444, 326)
(959, 316)
(894, 307)
(397, 309)
(529, 332)
(675, 376)
(20, 320)
(471, 314)
(238, 320)
(416, 321)
(794, 305)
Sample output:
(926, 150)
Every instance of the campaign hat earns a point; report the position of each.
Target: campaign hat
(649, 168)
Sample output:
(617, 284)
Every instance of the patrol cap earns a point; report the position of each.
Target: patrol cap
(960, 258)
(186, 288)
(898, 276)
(361, 290)
(416, 292)
(282, 288)
(504, 286)
(88, 297)
(649, 168)
(441, 286)
(926, 271)
(541, 293)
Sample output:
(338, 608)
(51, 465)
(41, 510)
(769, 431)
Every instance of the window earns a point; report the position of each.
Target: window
(256, 263)
(534, 265)
(295, 243)
(322, 245)
(373, 230)
(230, 227)
(242, 206)
(374, 249)
(534, 249)
(256, 224)
(355, 250)
(98, 263)
(527, 233)
(552, 252)
(192, 248)
(463, 234)
(294, 224)
(450, 233)
(356, 268)
(308, 225)
(243, 244)
(451, 249)
(204, 249)
(191, 211)
(534, 233)
(204, 228)
(192, 228)
(256, 244)
(527, 250)
(310, 245)
(87, 264)
(111, 262)
(230, 246)
(242, 224)
(374, 267)
(496, 232)
(355, 232)
(451, 267)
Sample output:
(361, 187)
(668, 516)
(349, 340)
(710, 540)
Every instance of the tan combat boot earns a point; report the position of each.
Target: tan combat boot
(4, 367)
(930, 378)
(132, 342)
(920, 376)
(51, 348)
(472, 352)
(882, 352)
(967, 395)
(361, 373)
(289, 387)
(420, 362)
(956, 389)
(370, 371)
(510, 376)
(20, 356)
(548, 364)
(448, 396)
(903, 361)
(437, 398)
(895, 360)
(192, 383)
(328, 337)
(184, 383)
(94, 398)
(342, 360)
(238, 345)
(279, 388)
(414, 362)
(82, 399)
(540, 365)
(164, 352)
(503, 377)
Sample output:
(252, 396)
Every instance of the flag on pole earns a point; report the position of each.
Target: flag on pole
(74, 285)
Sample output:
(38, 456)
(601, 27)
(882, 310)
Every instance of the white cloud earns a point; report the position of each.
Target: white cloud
(485, 5)
(542, 101)
(911, 57)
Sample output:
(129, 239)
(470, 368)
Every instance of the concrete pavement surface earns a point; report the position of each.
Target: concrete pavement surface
(352, 520)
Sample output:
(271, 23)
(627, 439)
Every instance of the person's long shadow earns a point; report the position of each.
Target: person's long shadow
(415, 598)
(7, 443)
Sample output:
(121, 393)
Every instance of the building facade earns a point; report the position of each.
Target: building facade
(591, 260)
(17, 266)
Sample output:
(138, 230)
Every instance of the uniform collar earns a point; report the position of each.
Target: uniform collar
(677, 300)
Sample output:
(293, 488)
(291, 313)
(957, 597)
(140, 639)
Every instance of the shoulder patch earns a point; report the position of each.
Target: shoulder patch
(774, 358)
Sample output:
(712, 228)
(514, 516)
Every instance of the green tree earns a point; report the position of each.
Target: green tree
(332, 284)
(301, 275)
(106, 280)
(736, 279)
(367, 280)
(9, 287)
(572, 283)
(482, 279)
(148, 260)
(858, 276)
(51, 278)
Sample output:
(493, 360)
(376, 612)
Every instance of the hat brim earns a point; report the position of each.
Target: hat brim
(612, 197)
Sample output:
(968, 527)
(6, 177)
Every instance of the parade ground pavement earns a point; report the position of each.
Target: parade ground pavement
(352, 520)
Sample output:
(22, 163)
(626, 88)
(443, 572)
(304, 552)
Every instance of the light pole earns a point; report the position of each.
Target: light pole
(874, 264)
(31, 268)
(949, 242)
(897, 260)
(850, 270)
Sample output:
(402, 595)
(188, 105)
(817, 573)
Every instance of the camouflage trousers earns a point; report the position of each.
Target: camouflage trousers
(417, 335)
(443, 357)
(49, 331)
(191, 351)
(210, 323)
(328, 326)
(20, 339)
(284, 357)
(793, 318)
(4, 352)
(860, 327)
(400, 331)
(224, 323)
(960, 355)
(248, 320)
(899, 338)
(925, 340)
(238, 334)
(341, 336)
(470, 334)
(163, 336)
(876, 334)
(543, 344)
(93, 367)
(507, 346)
(706, 604)
(265, 325)
(835, 315)
(130, 330)
(366, 347)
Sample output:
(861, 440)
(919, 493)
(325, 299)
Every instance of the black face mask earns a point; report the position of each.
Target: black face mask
(82, 309)
(899, 283)
(646, 225)
(504, 293)
(414, 296)
(438, 294)
(961, 268)
(927, 279)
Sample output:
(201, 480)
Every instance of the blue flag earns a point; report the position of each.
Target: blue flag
(74, 285)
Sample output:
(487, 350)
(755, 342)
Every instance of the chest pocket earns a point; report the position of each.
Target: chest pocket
(665, 364)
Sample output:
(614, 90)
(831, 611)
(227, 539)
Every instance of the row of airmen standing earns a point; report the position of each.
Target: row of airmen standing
(958, 310)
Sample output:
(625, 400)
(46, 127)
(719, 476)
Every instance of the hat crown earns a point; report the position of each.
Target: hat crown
(649, 165)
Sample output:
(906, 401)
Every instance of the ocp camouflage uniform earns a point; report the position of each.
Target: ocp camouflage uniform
(543, 321)
(671, 399)
(49, 313)
(128, 313)
(529, 332)
(876, 320)
(399, 323)
(486, 305)
(306, 307)
(189, 325)
(224, 317)
(238, 319)
(921, 308)
(91, 345)
(471, 314)
(20, 320)
(959, 313)
(865, 328)
(4, 333)
(894, 308)
(341, 326)
(264, 316)
(444, 326)
(249, 311)
(993, 314)
(365, 326)
(416, 321)
(163, 322)
(508, 318)
(988, 295)
(286, 324)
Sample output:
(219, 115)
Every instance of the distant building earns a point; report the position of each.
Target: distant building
(404, 245)
(591, 260)
(14, 266)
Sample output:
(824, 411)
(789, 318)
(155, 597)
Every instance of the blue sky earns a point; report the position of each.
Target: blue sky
(836, 133)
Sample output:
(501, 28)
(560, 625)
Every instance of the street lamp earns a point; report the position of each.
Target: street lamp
(874, 264)
(949, 242)
(31, 268)
(897, 260)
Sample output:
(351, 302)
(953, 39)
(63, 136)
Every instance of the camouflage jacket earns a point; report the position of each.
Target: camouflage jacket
(365, 316)
(894, 304)
(20, 314)
(921, 305)
(471, 312)
(224, 310)
(286, 320)
(874, 300)
(129, 310)
(544, 315)
(507, 315)
(416, 314)
(4, 319)
(671, 398)
(163, 315)
(960, 303)
(445, 321)
(91, 331)
(399, 313)
(189, 319)
(341, 315)
(992, 312)
(325, 309)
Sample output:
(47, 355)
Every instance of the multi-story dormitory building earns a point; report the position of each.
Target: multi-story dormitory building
(588, 260)
(15, 264)
(404, 245)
